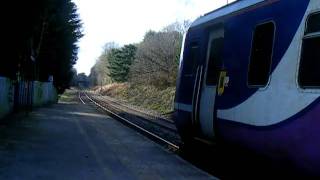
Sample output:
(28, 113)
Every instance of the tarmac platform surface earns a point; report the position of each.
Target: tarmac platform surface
(70, 140)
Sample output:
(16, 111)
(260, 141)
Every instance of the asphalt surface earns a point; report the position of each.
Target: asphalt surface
(71, 140)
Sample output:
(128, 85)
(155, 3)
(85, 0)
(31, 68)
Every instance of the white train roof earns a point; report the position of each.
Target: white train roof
(233, 7)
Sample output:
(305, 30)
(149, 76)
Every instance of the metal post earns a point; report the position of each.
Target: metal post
(101, 87)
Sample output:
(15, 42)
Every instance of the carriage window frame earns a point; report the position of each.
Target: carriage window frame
(307, 36)
(264, 84)
(214, 64)
(192, 55)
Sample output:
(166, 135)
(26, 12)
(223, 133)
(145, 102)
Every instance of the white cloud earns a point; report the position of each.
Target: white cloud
(126, 21)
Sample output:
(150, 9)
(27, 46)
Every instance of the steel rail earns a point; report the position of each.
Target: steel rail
(135, 126)
(137, 110)
(156, 121)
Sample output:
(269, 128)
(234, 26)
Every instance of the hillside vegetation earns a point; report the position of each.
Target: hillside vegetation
(147, 97)
(142, 74)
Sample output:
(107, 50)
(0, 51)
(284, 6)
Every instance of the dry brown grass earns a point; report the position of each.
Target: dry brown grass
(148, 97)
(112, 90)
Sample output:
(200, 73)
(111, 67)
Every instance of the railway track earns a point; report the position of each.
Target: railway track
(135, 110)
(160, 130)
(149, 118)
(223, 161)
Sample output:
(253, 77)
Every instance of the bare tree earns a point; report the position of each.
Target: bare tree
(177, 26)
(99, 72)
(156, 59)
(108, 46)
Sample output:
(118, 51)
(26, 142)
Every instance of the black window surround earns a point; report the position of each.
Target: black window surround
(261, 55)
(191, 59)
(309, 73)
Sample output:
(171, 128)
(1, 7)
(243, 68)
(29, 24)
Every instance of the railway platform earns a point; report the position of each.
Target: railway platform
(71, 140)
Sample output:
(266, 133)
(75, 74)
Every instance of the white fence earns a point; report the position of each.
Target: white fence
(6, 96)
(24, 95)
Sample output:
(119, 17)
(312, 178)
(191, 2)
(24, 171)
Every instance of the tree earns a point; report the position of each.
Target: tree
(120, 61)
(59, 48)
(74, 80)
(82, 80)
(153, 61)
(99, 74)
(177, 26)
(157, 59)
(40, 38)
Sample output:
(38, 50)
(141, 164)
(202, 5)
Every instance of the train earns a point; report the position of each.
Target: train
(249, 75)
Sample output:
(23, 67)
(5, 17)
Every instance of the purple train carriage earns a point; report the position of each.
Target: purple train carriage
(250, 74)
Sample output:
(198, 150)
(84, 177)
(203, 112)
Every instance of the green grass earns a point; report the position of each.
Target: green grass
(67, 96)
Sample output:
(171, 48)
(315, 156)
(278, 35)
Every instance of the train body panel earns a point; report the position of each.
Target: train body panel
(269, 114)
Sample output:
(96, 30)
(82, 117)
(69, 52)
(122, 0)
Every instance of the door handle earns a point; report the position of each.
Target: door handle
(223, 82)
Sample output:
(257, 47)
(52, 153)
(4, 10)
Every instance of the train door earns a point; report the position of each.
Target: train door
(210, 82)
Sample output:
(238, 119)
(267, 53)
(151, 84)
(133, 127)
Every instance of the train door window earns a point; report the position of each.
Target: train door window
(190, 63)
(309, 74)
(261, 55)
(215, 61)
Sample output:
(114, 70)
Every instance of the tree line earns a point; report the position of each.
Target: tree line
(154, 61)
(40, 40)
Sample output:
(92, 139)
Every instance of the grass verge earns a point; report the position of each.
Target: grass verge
(147, 97)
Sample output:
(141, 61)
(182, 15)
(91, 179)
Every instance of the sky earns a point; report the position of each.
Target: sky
(126, 21)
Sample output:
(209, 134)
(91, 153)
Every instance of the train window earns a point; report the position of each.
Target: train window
(313, 24)
(309, 74)
(261, 55)
(189, 64)
(215, 61)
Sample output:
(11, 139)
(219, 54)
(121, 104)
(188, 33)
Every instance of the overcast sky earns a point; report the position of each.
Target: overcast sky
(126, 21)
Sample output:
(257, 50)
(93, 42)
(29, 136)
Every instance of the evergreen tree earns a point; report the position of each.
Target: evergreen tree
(120, 61)
(40, 40)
